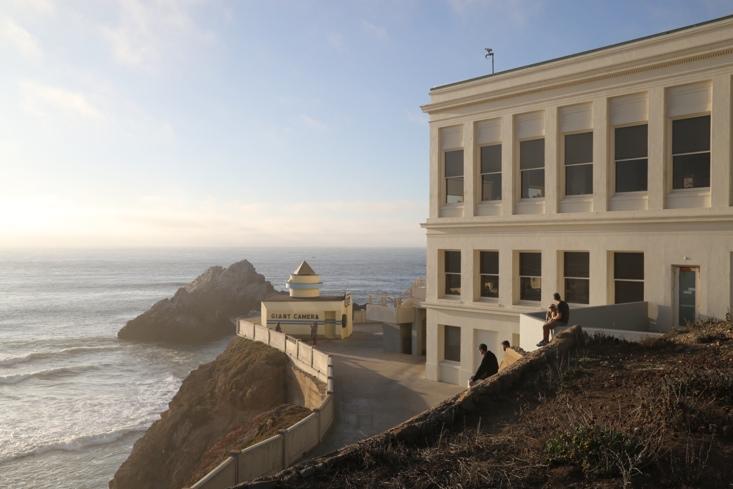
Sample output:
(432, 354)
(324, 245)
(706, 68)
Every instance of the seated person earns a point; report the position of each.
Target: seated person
(557, 315)
(489, 366)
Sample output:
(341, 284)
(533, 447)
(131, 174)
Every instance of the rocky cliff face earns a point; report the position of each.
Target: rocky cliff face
(202, 310)
(221, 400)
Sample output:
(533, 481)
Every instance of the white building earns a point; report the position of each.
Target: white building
(605, 176)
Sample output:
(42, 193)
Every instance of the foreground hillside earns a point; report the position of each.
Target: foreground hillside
(578, 414)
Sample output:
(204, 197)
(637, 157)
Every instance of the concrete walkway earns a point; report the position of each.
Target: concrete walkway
(375, 390)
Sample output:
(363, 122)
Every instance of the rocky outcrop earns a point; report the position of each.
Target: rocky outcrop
(202, 310)
(219, 405)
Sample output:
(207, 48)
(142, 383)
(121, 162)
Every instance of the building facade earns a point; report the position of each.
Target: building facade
(304, 307)
(604, 176)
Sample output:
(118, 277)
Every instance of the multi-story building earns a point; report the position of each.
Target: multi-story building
(604, 176)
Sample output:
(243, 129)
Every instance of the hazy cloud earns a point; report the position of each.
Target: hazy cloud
(374, 30)
(40, 99)
(17, 37)
(313, 122)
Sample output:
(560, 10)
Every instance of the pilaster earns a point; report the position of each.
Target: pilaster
(552, 173)
(720, 154)
(600, 154)
(435, 176)
(507, 165)
(657, 183)
(469, 169)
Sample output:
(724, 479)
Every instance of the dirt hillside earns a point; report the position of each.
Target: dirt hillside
(216, 407)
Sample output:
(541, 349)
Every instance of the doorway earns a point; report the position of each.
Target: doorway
(686, 292)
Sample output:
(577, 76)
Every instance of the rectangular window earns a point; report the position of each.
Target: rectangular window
(579, 164)
(491, 172)
(630, 154)
(576, 271)
(489, 273)
(452, 272)
(691, 152)
(628, 277)
(530, 276)
(452, 343)
(453, 166)
(532, 168)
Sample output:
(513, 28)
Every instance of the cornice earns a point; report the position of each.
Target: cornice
(512, 311)
(694, 54)
(582, 221)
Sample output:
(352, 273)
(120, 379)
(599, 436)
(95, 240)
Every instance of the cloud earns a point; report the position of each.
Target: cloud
(39, 99)
(45, 7)
(313, 122)
(18, 38)
(336, 41)
(147, 31)
(376, 31)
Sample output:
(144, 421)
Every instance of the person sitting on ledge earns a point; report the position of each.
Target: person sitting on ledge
(489, 366)
(557, 315)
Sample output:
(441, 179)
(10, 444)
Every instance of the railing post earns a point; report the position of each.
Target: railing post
(283, 433)
(234, 455)
(318, 417)
(269, 337)
(297, 348)
(329, 382)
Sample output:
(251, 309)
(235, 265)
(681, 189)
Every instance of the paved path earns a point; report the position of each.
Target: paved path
(375, 390)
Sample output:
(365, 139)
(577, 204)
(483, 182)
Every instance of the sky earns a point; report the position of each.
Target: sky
(255, 123)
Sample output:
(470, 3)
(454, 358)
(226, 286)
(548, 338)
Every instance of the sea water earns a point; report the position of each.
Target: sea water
(74, 399)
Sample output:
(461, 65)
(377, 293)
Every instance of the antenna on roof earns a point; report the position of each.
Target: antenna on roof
(490, 52)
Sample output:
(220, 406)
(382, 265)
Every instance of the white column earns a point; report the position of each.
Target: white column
(720, 154)
(549, 274)
(507, 166)
(600, 154)
(469, 170)
(433, 345)
(435, 176)
(467, 275)
(552, 173)
(506, 276)
(467, 353)
(598, 294)
(657, 186)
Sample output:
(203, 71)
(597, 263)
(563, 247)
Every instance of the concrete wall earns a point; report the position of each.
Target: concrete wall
(310, 383)
(312, 311)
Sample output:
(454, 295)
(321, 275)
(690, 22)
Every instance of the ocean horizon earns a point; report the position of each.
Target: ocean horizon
(73, 398)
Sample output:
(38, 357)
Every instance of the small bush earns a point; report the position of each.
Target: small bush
(595, 449)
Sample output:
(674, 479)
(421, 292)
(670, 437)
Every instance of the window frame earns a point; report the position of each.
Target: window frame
(670, 146)
(481, 173)
(446, 178)
(520, 276)
(565, 165)
(446, 273)
(445, 343)
(543, 168)
(482, 297)
(614, 167)
(565, 277)
(615, 280)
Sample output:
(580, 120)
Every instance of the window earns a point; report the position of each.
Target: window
(579, 164)
(530, 276)
(691, 152)
(453, 163)
(452, 272)
(452, 343)
(576, 270)
(630, 153)
(532, 168)
(628, 277)
(491, 172)
(489, 273)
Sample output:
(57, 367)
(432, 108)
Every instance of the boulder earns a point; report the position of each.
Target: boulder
(203, 310)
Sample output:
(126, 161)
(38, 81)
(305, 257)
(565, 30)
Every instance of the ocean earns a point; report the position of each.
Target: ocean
(73, 399)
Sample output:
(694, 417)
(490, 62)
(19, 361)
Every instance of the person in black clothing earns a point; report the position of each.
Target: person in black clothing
(560, 318)
(489, 366)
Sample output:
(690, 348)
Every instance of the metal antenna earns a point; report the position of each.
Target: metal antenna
(490, 52)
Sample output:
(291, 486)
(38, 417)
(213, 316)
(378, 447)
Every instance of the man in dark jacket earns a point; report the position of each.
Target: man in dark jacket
(489, 366)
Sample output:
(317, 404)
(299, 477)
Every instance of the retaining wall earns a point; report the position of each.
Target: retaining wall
(311, 368)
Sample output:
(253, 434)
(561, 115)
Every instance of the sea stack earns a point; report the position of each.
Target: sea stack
(203, 310)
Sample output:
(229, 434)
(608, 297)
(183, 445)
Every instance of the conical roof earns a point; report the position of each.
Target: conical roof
(304, 269)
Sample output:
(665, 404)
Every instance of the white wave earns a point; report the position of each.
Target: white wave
(60, 342)
(48, 374)
(80, 443)
(45, 355)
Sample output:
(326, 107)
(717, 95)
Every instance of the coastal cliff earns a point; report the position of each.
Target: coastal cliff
(230, 403)
(202, 310)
